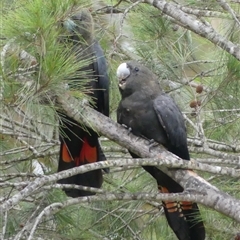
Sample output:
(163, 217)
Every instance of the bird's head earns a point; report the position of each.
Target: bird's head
(80, 26)
(132, 76)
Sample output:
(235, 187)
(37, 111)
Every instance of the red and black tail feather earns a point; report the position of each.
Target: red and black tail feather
(79, 148)
(184, 218)
(88, 154)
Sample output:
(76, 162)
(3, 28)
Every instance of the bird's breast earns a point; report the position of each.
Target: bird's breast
(142, 119)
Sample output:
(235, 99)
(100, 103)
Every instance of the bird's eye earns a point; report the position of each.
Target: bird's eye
(77, 18)
(136, 69)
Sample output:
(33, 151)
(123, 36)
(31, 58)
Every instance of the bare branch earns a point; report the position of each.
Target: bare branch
(191, 23)
(226, 7)
(5, 217)
(55, 207)
(202, 13)
(189, 180)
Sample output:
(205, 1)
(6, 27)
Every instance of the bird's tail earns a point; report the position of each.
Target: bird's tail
(76, 152)
(184, 218)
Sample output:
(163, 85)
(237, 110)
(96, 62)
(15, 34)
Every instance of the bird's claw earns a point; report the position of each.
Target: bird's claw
(128, 128)
(152, 144)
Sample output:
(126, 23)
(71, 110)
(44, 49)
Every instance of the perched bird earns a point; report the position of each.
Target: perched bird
(152, 114)
(79, 144)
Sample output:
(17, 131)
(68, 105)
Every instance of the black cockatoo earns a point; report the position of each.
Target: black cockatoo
(152, 114)
(80, 144)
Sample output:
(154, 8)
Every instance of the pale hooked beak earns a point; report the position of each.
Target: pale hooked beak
(69, 24)
(123, 72)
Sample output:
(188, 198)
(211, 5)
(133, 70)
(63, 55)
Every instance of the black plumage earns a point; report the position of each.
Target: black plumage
(152, 114)
(79, 144)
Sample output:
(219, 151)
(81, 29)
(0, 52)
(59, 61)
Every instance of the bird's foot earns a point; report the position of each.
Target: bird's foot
(128, 128)
(152, 144)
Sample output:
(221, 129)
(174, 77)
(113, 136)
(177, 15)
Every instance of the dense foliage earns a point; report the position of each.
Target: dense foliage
(200, 75)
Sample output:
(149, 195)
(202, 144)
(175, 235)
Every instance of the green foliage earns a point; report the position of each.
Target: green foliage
(27, 84)
(176, 55)
(38, 32)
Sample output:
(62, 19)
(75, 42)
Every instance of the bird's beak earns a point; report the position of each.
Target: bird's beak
(69, 25)
(123, 72)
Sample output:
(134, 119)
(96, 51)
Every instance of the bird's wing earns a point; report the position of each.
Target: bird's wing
(183, 217)
(100, 68)
(171, 119)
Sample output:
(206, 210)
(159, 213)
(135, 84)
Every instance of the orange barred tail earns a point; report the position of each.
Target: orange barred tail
(184, 218)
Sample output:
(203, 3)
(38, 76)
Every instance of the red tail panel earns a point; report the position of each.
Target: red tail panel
(186, 205)
(170, 206)
(163, 189)
(65, 154)
(175, 206)
(88, 154)
(183, 217)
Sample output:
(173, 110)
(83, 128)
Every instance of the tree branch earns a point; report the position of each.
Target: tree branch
(196, 26)
(214, 198)
(57, 206)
